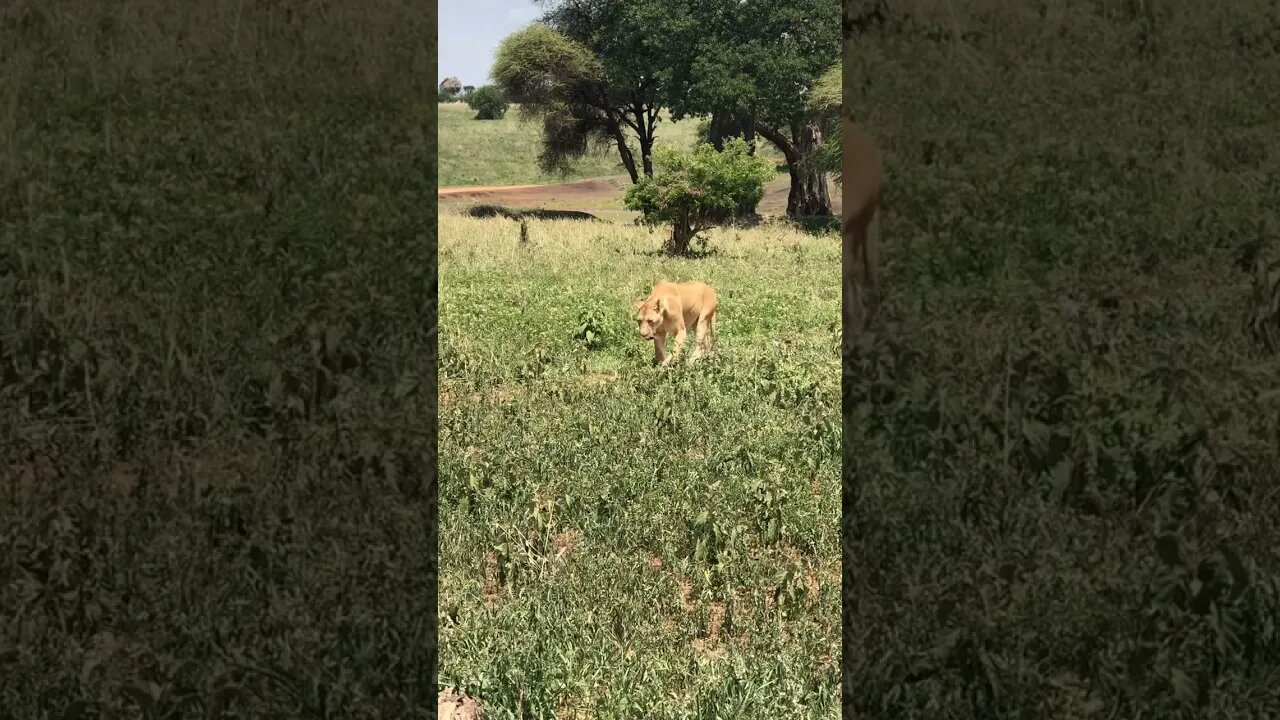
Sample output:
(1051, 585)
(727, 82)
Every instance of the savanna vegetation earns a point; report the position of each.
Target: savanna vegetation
(622, 541)
(217, 363)
(619, 540)
(1060, 480)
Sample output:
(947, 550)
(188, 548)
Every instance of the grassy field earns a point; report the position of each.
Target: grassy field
(1066, 439)
(505, 152)
(216, 361)
(621, 541)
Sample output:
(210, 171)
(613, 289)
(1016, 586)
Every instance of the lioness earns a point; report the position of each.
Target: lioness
(672, 307)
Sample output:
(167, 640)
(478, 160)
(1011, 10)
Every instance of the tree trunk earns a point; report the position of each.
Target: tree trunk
(646, 126)
(681, 236)
(814, 197)
(628, 160)
(646, 153)
(809, 194)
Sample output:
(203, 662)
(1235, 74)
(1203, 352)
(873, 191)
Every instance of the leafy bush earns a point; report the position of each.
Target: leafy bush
(488, 102)
(699, 190)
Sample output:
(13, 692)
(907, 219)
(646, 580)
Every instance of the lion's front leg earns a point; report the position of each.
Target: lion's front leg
(660, 356)
(680, 340)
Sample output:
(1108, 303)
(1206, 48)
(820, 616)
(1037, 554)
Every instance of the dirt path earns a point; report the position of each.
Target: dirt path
(474, 189)
(601, 189)
(594, 195)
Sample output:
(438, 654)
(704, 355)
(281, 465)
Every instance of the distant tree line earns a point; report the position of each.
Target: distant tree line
(487, 100)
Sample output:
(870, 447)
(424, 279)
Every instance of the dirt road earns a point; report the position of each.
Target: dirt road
(594, 195)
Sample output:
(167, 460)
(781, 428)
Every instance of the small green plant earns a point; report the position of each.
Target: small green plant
(591, 329)
(488, 102)
(696, 191)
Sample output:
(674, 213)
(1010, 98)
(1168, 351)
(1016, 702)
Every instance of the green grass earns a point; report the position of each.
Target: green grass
(623, 541)
(215, 368)
(505, 152)
(1066, 437)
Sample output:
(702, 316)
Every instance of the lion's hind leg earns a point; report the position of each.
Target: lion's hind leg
(706, 330)
(711, 339)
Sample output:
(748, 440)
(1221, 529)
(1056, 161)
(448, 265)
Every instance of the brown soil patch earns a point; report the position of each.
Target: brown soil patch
(593, 190)
(710, 645)
(453, 706)
(686, 594)
(715, 622)
(813, 588)
(566, 542)
(708, 648)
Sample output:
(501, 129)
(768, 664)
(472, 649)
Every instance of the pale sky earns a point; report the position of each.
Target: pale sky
(470, 31)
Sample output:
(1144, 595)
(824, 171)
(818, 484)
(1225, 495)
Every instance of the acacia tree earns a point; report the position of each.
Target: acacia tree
(620, 35)
(576, 84)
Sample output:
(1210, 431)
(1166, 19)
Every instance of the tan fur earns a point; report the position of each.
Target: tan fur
(862, 172)
(672, 308)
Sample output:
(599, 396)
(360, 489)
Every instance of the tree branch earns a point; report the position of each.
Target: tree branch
(780, 141)
(633, 125)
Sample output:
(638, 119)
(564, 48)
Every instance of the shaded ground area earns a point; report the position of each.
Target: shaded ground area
(483, 210)
(600, 196)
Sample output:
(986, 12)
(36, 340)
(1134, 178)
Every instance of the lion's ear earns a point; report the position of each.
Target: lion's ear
(637, 304)
(663, 305)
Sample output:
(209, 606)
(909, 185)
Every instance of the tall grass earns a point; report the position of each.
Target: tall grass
(623, 541)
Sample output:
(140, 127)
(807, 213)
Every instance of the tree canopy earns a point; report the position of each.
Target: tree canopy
(754, 66)
(600, 70)
(827, 100)
(582, 95)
